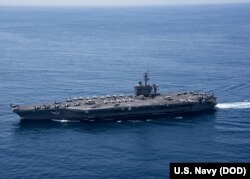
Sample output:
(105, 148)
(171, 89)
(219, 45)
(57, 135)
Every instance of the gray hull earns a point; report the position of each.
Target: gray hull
(115, 113)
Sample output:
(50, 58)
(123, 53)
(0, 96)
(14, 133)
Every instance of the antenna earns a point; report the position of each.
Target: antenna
(146, 77)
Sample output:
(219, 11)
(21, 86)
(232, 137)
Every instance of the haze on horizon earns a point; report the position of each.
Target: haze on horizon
(112, 2)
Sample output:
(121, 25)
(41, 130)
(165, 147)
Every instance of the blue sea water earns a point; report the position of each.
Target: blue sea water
(49, 54)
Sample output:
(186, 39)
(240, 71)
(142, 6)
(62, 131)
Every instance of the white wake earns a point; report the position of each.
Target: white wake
(64, 120)
(234, 105)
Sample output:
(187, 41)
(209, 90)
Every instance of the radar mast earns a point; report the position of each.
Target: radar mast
(146, 77)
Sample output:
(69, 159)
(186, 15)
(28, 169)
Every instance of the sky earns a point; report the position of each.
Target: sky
(110, 2)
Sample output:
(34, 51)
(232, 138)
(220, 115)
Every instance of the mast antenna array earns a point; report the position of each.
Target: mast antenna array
(146, 77)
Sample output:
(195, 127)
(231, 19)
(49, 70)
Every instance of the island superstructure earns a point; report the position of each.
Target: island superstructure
(145, 102)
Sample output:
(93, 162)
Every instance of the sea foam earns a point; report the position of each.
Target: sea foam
(234, 105)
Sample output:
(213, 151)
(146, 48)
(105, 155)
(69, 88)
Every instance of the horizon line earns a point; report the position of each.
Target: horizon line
(126, 5)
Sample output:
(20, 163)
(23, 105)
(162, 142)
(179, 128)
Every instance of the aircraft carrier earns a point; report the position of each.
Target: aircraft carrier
(146, 102)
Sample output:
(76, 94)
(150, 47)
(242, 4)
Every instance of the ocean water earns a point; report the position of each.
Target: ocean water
(49, 54)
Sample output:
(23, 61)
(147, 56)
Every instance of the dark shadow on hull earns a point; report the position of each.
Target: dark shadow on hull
(115, 125)
(161, 117)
